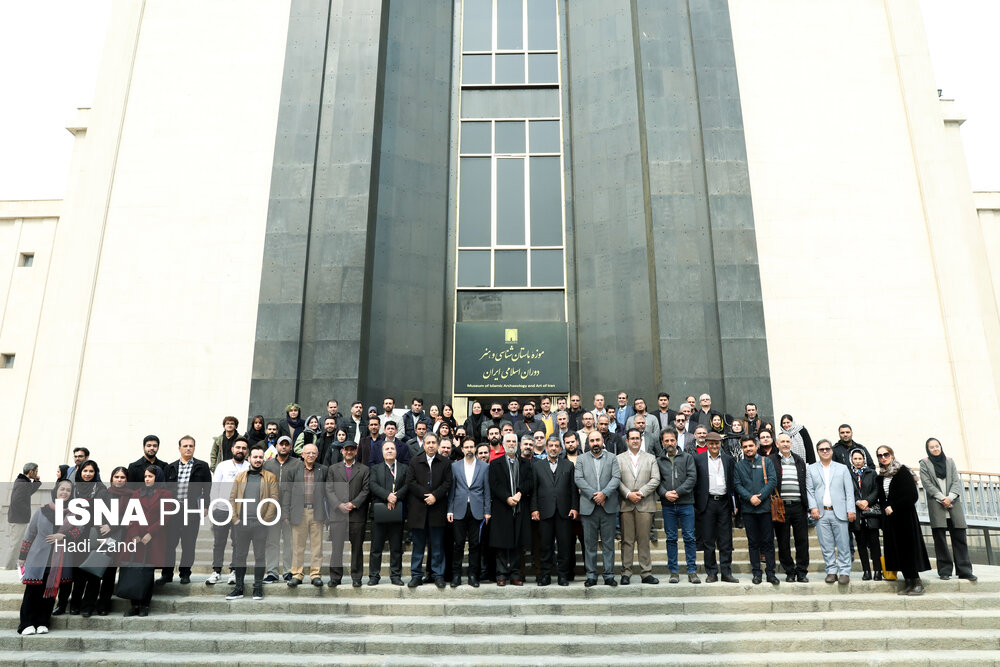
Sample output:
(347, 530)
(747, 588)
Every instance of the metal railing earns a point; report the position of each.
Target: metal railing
(981, 504)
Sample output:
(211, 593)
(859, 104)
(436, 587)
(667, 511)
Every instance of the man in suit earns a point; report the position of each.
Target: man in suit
(510, 486)
(347, 492)
(302, 493)
(555, 504)
(193, 480)
(831, 501)
(685, 438)
(468, 507)
(387, 484)
(640, 477)
(715, 507)
(428, 481)
(597, 476)
(402, 449)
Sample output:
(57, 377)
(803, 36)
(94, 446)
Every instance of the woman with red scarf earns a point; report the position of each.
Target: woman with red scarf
(150, 539)
(45, 566)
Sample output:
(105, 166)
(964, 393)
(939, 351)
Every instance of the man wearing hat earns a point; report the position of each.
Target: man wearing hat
(279, 536)
(347, 495)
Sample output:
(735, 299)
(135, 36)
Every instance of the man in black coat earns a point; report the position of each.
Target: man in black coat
(428, 481)
(19, 512)
(137, 469)
(387, 482)
(842, 450)
(190, 479)
(555, 504)
(347, 493)
(715, 506)
(793, 492)
(510, 485)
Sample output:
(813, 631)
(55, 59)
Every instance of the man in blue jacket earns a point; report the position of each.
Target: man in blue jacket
(755, 482)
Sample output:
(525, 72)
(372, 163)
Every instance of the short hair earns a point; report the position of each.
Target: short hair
(747, 438)
(553, 438)
(416, 399)
(150, 438)
(748, 405)
(562, 413)
(257, 445)
(230, 418)
(527, 438)
(356, 403)
(86, 452)
(628, 433)
(240, 439)
(820, 442)
(708, 396)
(465, 440)
(376, 419)
(496, 403)
(275, 424)
(701, 426)
(544, 398)
(431, 436)
(844, 426)
(663, 394)
(571, 434)
(328, 418)
(491, 427)
(185, 437)
(28, 467)
(670, 429)
(512, 436)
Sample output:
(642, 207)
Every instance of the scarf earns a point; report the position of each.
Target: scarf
(798, 446)
(57, 557)
(891, 470)
(297, 425)
(940, 463)
(858, 472)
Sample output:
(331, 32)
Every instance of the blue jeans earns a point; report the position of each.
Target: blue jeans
(420, 538)
(685, 514)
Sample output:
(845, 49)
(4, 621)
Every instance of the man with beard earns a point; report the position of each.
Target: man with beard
(766, 443)
(700, 440)
(222, 445)
(623, 411)
(222, 483)
(546, 416)
(469, 504)
(391, 414)
(652, 423)
(252, 486)
(495, 418)
(529, 423)
(614, 443)
(279, 536)
(137, 469)
(664, 413)
(842, 450)
(752, 420)
(327, 440)
(347, 496)
(571, 445)
(555, 504)
(598, 477)
(428, 481)
(354, 425)
(415, 415)
(510, 486)
(640, 479)
(496, 445)
(676, 491)
(575, 412)
(562, 426)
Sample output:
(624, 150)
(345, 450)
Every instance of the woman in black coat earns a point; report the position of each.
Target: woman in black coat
(85, 585)
(904, 542)
(866, 527)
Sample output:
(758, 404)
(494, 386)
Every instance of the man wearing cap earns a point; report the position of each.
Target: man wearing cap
(347, 494)
(279, 536)
(714, 506)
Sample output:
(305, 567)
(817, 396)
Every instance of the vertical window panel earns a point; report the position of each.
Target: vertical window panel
(510, 24)
(511, 268)
(476, 138)
(510, 137)
(546, 202)
(477, 70)
(510, 201)
(543, 68)
(544, 136)
(473, 268)
(477, 25)
(474, 202)
(510, 68)
(542, 32)
(546, 268)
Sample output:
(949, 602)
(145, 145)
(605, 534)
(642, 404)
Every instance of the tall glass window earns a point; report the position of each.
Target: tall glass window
(510, 195)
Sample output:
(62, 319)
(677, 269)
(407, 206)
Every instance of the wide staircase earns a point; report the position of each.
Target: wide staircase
(954, 623)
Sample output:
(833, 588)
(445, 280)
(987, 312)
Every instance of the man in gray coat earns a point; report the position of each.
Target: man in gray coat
(598, 478)
(302, 493)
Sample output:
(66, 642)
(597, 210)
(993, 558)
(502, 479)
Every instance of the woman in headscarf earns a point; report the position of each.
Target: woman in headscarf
(865, 527)
(731, 440)
(943, 488)
(45, 566)
(150, 540)
(256, 432)
(475, 421)
(313, 429)
(86, 585)
(448, 415)
(904, 543)
(802, 444)
(119, 491)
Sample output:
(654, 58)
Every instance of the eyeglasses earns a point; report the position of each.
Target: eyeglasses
(825, 449)
(884, 455)
(496, 409)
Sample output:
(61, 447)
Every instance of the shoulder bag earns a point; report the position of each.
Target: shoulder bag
(777, 504)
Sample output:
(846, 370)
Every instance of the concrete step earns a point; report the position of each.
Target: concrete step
(483, 646)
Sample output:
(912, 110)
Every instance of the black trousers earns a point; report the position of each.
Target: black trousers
(559, 530)
(465, 530)
(85, 585)
(36, 609)
(867, 541)
(340, 532)
(188, 537)
(220, 541)
(717, 533)
(509, 563)
(243, 537)
(962, 562)
(393, 532)
(760, 535)
(797, 523)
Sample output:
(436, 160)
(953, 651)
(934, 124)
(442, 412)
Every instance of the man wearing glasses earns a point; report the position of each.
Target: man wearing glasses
(495, 418)
(831, 501)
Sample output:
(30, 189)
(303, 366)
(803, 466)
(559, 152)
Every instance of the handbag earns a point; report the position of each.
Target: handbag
(872, 511)
(96, 561)
(888, 575)
(135, 580)
(382, 513)
(777, 504)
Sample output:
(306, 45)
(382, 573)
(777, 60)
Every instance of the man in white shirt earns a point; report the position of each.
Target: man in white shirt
(222, 483)
(469, 503)
(640, 476)
(831, 501)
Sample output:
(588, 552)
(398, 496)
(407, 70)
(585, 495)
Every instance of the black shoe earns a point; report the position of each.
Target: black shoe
(103, 611)
(456, 582)
(439, 582)
(473, 582)
(75, 611)
(674, 578)
(288, 575)
(258, 591)
(317, 581)
(396, 581)
(610, 581)
(144, 610)
(650, 579)
(186, 579)
(163, 580)
(867, 576)
(87, 613)
(563, 581)
(711, 578)
(653, 538)
(970, 577)
(333, 583)
(790, 577)
(756, 579)
(626, 580)
(293, 582)
(878, 575)
(414, 582)
(132, 611)
(356, 583)
(373, 581)
(590, 582)
(729, 579)
(773, 580)
(59, 610)
(802, 578)
(428, 578)
(236, 593)
(918, 588)
(945, 577)
(544, 581)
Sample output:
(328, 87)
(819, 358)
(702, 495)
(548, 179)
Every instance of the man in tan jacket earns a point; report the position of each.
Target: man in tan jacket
(640, 477)
(255, 504)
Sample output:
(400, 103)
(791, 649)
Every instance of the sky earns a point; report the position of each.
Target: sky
(50, 51)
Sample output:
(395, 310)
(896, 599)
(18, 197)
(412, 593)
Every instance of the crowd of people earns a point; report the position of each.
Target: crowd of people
(504, 495)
